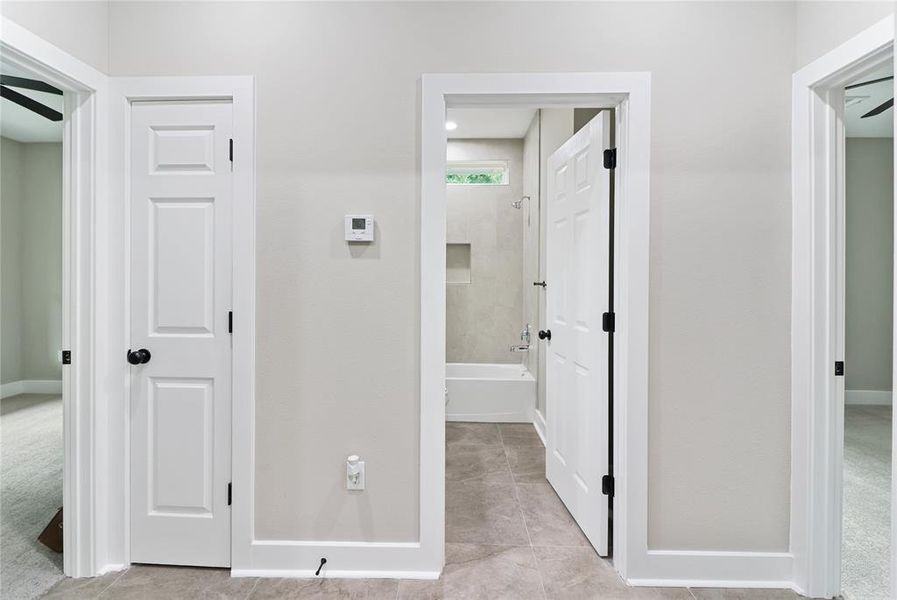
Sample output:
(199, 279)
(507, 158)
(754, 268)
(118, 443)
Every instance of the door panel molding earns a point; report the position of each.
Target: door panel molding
(240, 92)
(578, 269)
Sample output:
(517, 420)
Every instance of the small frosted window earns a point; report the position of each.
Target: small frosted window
(457, 263)
(493, 172)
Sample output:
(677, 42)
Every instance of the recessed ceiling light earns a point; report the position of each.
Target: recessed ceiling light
(451, 126)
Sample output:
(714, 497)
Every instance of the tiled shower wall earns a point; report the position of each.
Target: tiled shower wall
(485, 315)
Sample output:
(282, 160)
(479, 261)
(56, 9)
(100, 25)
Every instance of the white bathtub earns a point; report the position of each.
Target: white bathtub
(489, 393)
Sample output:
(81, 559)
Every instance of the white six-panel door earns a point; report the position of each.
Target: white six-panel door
(577, 260)
(180, 286)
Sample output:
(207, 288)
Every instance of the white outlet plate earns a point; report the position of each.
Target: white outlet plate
(357, 484)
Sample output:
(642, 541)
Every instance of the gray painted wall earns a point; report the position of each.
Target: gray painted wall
(81, 28)
(32, 260)
(10, 261)
(484, 317)
(870, 263)
(719, 415)
(720, 405)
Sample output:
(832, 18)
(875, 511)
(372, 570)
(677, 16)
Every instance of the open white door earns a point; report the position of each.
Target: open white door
(180, 285)
(577, 259)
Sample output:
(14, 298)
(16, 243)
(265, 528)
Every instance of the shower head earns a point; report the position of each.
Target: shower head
(518, 203)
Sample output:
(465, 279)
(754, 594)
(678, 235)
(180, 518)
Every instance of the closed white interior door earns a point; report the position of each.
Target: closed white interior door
(180, 280)
(577, 260)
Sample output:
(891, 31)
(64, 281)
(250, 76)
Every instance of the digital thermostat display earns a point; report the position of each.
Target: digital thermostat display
(359, 228)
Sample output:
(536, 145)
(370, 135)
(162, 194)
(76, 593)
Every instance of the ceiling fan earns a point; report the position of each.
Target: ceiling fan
(881, 107)
(7, 82)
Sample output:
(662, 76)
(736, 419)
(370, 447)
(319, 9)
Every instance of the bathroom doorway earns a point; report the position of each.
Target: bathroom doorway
(509, 173)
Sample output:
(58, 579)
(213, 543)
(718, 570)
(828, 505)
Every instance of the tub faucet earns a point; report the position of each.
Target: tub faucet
(520, 348)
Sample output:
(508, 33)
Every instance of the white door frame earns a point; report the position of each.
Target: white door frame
(241, 91)
(630, 93)
(817, 444)
(83, 289)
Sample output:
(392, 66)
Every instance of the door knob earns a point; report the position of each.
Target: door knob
(545, 334)
(139, 357)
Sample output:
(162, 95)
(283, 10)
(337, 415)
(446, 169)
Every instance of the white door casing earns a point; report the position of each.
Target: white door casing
(577, 258)
(181, 289)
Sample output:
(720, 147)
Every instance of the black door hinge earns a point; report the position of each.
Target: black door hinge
(607, 485)
(66, 357)
(230, 487)
(609, 322)
(230, 321)
(230, 150)
(610, 158)
(839, 368)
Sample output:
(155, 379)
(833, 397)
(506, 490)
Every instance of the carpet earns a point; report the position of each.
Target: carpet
(867, 502)
(31, 455)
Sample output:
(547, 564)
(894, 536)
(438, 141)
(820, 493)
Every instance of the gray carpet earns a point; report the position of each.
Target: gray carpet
(30, 492)
(867, 495)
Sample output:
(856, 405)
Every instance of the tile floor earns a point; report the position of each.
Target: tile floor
(508, 536)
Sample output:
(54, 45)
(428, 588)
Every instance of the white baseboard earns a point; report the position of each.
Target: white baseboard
(113, 568)
(684, 568)
(310, 574)
(868, 397)
(539, 424)
(30, 386)
(350, 560)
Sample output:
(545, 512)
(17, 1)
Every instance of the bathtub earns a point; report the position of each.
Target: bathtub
(489, 393)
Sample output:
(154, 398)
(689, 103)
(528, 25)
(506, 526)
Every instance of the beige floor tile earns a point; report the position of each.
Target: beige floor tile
(325, 589)
(547, 519)
(178, 583)
(471, 433)
(480, 572)
(527, 463)
(483, 513)
(477, 462)
(84, 588)
(577, 573)
(519, 434)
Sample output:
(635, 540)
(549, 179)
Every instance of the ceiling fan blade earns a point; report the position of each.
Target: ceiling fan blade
(30, 103)
(858, 85)
(879, 109)
(29, 84)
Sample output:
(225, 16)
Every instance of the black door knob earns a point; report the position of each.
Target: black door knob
(139, 357)
(545, 334)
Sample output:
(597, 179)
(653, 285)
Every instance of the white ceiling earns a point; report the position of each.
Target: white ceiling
(859, 101)
(22, 125)
(496, 123)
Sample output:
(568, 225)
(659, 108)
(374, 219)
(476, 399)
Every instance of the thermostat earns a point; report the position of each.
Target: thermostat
(359, 228)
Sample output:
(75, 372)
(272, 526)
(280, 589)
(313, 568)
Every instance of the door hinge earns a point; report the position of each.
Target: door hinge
(607, 485)
(230, 321)
(230, 489)
(609, 322)
(610, 158)
(230, 150)
(839, 368)
(66, 357)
